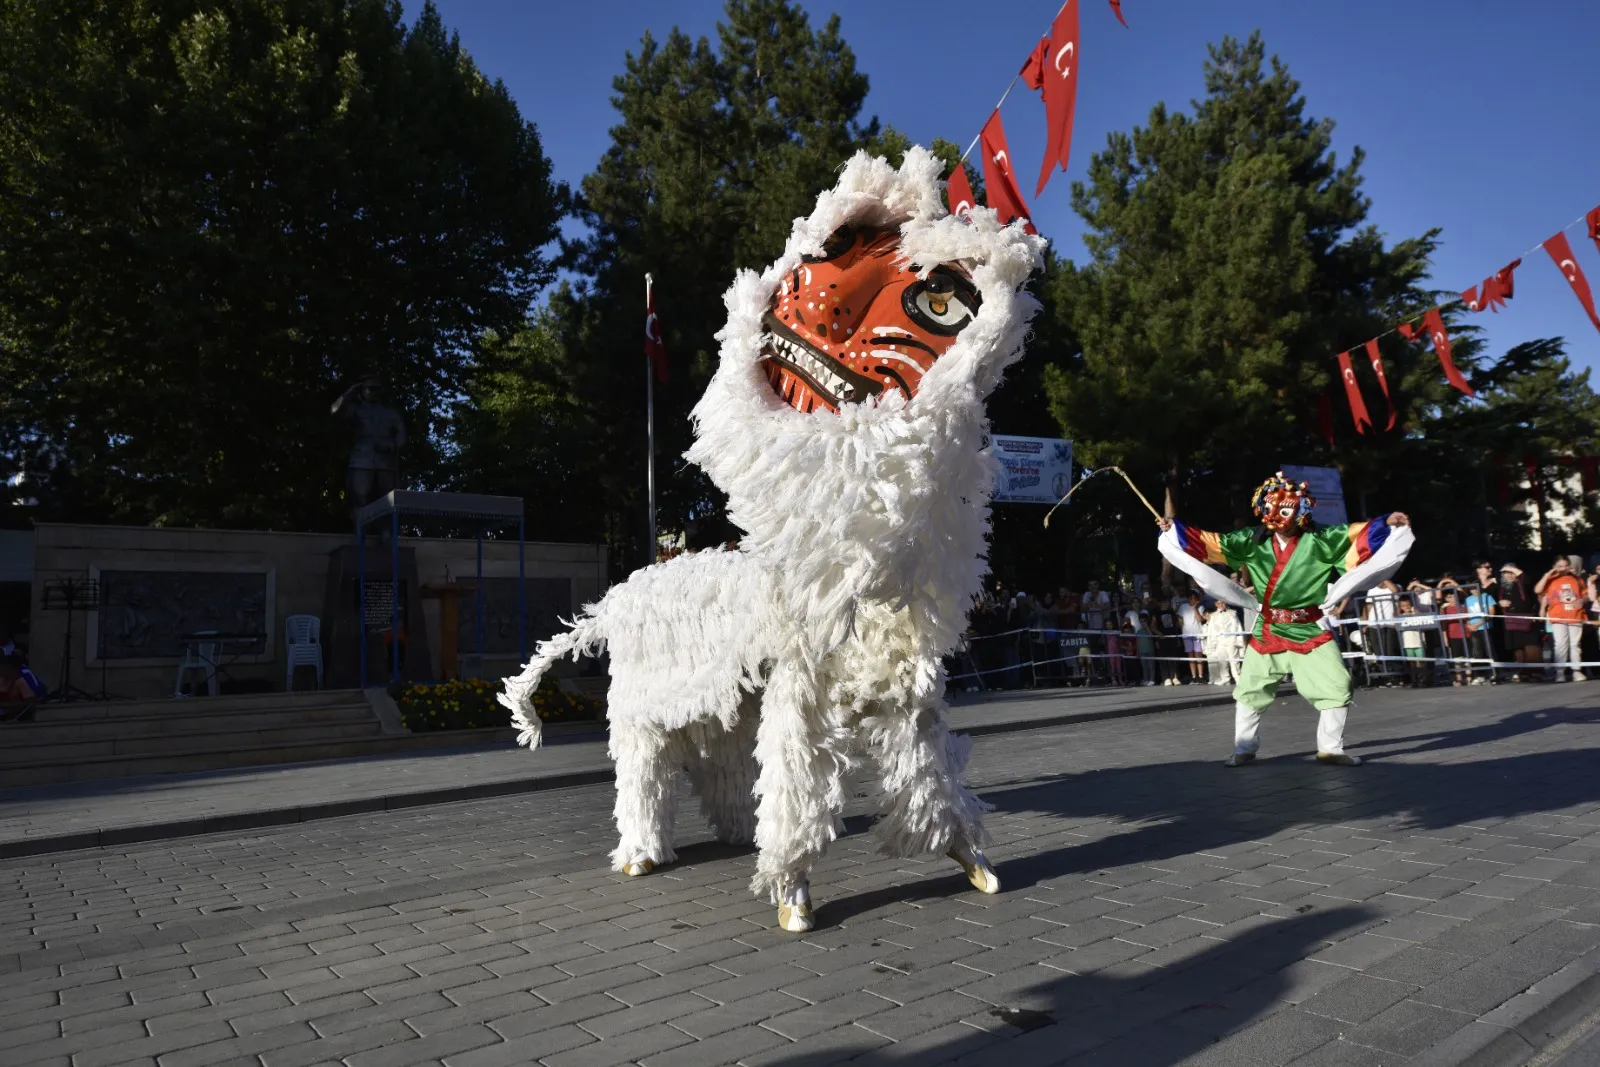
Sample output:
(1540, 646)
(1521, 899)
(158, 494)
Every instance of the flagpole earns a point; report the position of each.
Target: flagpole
(650, 424)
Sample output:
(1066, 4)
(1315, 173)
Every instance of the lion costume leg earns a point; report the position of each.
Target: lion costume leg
(647, 762)
(799, 795)
(927, 806)
(722, 768)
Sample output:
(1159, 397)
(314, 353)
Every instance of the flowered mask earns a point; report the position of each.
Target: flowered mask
(857, 320)
(1283, 506)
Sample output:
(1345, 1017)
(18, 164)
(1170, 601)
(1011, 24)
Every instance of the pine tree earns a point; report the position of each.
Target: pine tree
(214, 216)
(1229, 262)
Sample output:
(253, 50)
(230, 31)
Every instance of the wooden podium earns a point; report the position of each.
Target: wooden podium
(448, 594)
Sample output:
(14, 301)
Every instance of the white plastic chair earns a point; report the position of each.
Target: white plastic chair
(302, 646)
(202, 657)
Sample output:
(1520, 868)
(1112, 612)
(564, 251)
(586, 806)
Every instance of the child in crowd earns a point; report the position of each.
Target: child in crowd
(1114, 651)
(1412, 643)
(1455, 635)
(1147, 650)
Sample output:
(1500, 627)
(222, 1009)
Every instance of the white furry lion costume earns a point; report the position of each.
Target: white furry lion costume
(848, 434)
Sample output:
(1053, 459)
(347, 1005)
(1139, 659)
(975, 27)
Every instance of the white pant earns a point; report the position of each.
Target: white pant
(1247, 729)
(1567, 637)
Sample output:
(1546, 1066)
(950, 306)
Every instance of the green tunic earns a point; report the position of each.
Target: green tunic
(1290, 576)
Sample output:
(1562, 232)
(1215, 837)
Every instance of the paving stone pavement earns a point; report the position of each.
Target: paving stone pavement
(120, 810)
(1158, 909)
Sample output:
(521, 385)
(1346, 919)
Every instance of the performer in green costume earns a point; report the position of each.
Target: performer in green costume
(1289, 559)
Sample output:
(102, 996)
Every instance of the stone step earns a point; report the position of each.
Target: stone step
(103, 767)
(90, 710)
(213, 744)
(45, 731)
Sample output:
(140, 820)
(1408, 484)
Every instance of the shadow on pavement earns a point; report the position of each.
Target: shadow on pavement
(1108, 1016)
(1144, 815)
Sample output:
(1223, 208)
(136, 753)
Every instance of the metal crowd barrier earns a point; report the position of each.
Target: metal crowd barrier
(1375, 645)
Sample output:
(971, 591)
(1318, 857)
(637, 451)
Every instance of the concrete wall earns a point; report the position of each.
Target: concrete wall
(295, 568)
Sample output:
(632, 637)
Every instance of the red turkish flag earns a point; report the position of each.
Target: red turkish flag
(1593, 219)
(1358, 406)
(1505, 283)
(1004, 196)
(1496, 290)
(1383, 380)
(1032, 73)
(1433, 322)
(655, 349)
(1567, 263)
(1116, 9)
(1410, 332)
(959, 190)
(1060, 90)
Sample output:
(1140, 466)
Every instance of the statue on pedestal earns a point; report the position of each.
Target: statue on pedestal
(374, 469)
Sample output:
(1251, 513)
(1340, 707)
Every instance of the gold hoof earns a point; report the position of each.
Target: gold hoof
(1339, 759)
(638, 868)
(795, 918)
(980, 874)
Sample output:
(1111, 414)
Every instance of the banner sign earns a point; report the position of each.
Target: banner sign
(1033, 470)
(1328, 489)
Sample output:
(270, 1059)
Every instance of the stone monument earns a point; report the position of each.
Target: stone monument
(374, 469)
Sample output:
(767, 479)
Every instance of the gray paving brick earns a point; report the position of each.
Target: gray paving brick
(1408, 1028)
(821, 1017)
(583, 1009)
(523, 1051)
(820, 1050)
(251, 1046)
(426, 1049)
(625, 1048)
(336, 1023)
(662, 1010)
(712, 1020)
(1358, 998)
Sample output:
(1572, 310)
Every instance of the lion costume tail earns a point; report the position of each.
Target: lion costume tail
(585, 637)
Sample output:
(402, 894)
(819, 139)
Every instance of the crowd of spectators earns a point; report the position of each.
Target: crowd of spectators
(1493, 624)
(1100, 637)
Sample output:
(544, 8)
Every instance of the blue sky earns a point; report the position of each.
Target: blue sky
(1476, 117)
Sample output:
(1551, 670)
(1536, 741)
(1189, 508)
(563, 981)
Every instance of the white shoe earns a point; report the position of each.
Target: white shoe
(979, 871)
(794, 908)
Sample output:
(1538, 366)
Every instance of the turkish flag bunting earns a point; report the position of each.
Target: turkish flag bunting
(1060, 90)
(959, 190)
(1593, 219)
(1116, 9)
(1504, 287)
(1496, 290)
(1032, 73)
(1358, 407)
(1567, 263)
(1383, 381)
(655, 349)
(1433, 322)
(1410, 332)
(1004, 196)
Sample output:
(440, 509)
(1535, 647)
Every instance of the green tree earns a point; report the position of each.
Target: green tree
(1229, 262)
(214, 214)
(718, 148)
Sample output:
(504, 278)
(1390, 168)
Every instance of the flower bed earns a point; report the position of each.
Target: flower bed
(471, 705)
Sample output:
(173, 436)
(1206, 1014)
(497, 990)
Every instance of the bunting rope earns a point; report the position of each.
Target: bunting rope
(1497, 288)
(1439, 307)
